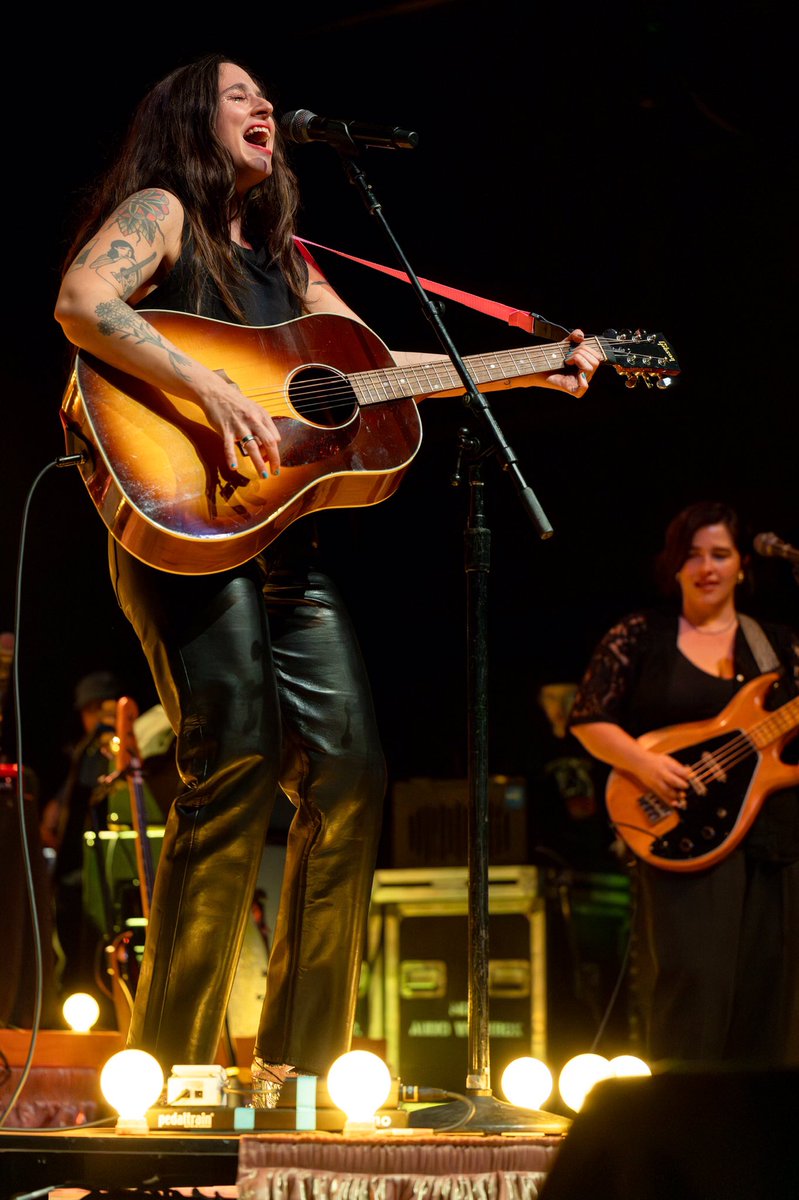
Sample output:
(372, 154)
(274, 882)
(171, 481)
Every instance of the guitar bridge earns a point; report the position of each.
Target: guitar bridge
(653, 808)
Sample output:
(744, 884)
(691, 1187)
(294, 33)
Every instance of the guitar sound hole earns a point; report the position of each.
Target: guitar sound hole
(322, 396)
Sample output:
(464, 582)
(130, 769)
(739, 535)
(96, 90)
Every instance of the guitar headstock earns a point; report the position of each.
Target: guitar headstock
(639, 355)
(125, 741)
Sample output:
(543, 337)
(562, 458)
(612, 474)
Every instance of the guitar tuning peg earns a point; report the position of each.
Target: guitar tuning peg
(631, 381)
(664, 382)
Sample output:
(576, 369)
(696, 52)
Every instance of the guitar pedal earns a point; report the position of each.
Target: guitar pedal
(203, 1085)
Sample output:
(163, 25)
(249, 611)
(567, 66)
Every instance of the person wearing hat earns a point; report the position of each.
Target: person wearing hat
(92, 692)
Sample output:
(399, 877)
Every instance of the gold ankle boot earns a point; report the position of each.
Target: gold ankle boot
(267, 1080)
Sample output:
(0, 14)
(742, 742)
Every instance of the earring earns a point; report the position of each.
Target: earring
(741, 577)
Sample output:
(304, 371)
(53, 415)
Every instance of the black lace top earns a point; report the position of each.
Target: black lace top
(639, 679)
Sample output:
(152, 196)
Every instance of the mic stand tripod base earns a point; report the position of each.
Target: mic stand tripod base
(489, 1116)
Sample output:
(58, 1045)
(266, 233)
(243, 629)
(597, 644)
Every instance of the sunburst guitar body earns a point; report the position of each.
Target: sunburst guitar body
(347, 415)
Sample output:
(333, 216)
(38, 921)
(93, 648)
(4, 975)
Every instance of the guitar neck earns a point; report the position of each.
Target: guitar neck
(143, 850)
(129, 763)
(394, 383)
(776, 724)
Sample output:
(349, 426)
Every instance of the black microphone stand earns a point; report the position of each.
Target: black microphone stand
(483, 1112)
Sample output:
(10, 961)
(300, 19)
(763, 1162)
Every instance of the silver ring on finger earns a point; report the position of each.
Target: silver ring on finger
(242, 442)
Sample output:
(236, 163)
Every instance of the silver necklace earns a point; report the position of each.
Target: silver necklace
(711, 632)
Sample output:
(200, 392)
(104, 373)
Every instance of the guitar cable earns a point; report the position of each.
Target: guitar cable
(620, 976)
(67, 460)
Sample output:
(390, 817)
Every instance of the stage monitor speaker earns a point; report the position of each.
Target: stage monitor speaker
(693, 1134)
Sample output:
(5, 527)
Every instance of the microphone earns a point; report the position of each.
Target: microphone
(304, 126)
(769, 545)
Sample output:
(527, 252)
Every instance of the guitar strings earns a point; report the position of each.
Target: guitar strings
(531, 358)
(341, 390)
(740, 747)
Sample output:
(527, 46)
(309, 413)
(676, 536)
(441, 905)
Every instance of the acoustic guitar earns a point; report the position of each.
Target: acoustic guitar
(347, 417)
(736, 762)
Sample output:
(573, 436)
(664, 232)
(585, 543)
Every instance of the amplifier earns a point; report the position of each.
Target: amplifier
(111, 875)
(431, 822)
(591, 984)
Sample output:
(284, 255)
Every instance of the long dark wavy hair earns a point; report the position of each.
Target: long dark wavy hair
(172, 144)
(680, 535)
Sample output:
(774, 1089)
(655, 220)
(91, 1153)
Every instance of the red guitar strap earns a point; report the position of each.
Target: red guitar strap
(528, 321)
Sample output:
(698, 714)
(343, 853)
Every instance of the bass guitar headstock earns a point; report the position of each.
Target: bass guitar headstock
(641, 356)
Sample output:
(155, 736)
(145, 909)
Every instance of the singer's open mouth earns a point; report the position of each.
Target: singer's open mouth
(258, 136)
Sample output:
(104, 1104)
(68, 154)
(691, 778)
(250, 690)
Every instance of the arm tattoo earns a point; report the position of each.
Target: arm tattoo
(80, 259)
(139, 217)
(121, 259)
(114, 316)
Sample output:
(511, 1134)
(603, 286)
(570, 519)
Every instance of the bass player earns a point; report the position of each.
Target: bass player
(717, 946)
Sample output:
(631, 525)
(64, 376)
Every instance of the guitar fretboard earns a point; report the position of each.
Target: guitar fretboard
(781, 721)
(394, 383)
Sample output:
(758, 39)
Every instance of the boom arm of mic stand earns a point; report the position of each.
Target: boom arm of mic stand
(474, 398)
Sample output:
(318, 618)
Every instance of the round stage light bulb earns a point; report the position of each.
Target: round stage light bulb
(80, 1010)
(527, 1082)
(359, 1083)
(623, 1066)
(131, 1082)
(579, 1075)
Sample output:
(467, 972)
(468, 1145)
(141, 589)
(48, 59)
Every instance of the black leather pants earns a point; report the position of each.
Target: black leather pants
(261, 677)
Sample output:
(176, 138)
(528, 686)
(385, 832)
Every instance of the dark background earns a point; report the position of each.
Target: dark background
(629, 166)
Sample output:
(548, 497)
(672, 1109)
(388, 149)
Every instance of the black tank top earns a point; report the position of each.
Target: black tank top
(265, 297)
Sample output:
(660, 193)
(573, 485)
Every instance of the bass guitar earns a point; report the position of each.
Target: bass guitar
(736, 762)
(347, 417)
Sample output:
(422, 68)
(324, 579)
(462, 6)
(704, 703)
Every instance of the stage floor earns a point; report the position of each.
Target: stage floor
(35, 1162)
(90, 1158)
